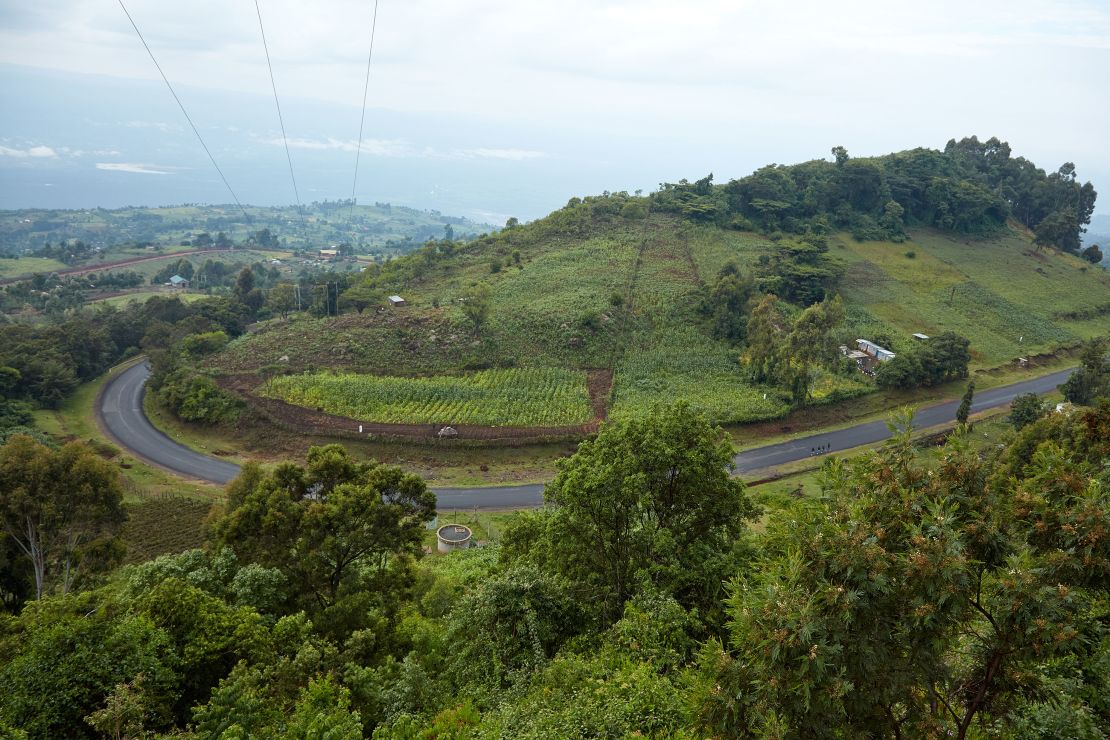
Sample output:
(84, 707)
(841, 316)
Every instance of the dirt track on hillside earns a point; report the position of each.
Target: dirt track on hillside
(599, 383)
(121, 263)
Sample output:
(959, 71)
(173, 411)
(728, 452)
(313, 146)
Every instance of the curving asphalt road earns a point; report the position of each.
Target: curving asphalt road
(121, 413)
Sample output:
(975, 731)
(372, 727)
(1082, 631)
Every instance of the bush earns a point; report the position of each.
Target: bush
(911, 254)
(204, 343)
(1025, 410)
(195, 397)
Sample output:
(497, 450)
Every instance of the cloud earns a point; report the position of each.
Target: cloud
(160, 125)
(35, 152)
(404, 149)
(515, 155)
(375, 147)
(138, 169)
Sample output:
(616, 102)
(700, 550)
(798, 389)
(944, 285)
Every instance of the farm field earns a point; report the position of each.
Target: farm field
(1009, 299)
(10, 268)
(519, 397)
(164, 525)
(140, 296)
(625, 295)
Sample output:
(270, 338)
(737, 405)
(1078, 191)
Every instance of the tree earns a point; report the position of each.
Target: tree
(811, 342)
(244, 284)
(330, 524)
(68, 661)
(61, 507)
(1092, 254)
(476, 305)
(727, 305)
(282, 299)
(764, 328)
(361, 296)
(1059, 229)
(323, 711)
(945, 357)
(965, 404)
(648, 500)
(1025, 410)
(1092, 379)
(957, 582)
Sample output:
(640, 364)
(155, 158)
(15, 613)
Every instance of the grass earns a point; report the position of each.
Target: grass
(623, 295)
(27, 265)
(521, 397)
(1008, 298)
(485, 526)
(143, 295)
(75, 420)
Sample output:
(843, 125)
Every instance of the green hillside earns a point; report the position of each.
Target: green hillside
(624, 292)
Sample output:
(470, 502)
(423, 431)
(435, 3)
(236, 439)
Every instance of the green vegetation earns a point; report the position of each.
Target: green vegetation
(662, 294)
(522, 397)
(27, 265)
(118, 233)
(141, 296)
(639, 603)
(970, 187)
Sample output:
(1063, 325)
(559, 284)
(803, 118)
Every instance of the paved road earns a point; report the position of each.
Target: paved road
(121, 412)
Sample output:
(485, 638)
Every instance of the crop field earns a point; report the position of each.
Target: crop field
(165, 525)
(625, 297)
(513, 397)
(683, 364)
(1007, 298)
(143, 295)
(28, 265)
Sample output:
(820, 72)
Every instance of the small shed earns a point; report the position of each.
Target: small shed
(453, 537)
(396, 300)
(178, 282)
(921, 337)
(327, 254)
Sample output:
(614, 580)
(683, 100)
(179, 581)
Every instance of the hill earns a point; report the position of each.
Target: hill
(626, 290)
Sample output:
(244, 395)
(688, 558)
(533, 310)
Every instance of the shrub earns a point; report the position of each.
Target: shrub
(195, 397)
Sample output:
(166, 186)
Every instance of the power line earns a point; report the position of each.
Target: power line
(362, 118)
(281, 121)
(185, 112)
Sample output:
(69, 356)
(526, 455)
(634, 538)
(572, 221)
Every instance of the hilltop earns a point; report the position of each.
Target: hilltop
(632, 286)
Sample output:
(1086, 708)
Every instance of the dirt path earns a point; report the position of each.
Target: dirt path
(120, 263)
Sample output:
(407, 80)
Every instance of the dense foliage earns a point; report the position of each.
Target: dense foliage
(961, 595)
(970, 187)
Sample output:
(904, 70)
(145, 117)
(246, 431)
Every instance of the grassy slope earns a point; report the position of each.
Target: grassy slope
(142, 295)
(28, 265)
(1010, 300)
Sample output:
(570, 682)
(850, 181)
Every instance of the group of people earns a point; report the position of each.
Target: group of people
(820, 450)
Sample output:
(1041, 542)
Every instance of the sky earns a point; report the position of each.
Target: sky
(492, 108)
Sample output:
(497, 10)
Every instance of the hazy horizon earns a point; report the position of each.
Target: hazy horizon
(489, 110)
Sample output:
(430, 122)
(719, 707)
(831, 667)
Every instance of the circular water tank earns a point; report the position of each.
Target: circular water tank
(452, 537)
